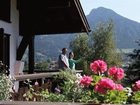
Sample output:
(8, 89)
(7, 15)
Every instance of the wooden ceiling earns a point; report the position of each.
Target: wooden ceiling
(51, 17)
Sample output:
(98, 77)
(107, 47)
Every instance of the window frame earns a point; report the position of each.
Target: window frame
(5, 48)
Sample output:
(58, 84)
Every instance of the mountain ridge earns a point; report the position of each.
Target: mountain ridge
(126, 32)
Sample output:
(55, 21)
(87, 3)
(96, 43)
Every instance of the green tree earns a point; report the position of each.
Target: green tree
(104, 44)
(133, 72)
(100, 45)
(81, 49)
(43, 65)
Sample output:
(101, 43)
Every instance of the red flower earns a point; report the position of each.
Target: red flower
(117, 73)
(103, 85)
(136, 86)
(86, 80)
(138, 83)
(112, 71)
(119, 87)
(107, 83)
(100, 89)
(98, 66)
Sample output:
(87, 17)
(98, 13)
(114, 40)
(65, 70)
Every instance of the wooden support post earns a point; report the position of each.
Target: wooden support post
(31, 55)
(1, 43)
(22, 47)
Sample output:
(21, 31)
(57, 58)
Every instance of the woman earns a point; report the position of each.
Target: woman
(72, 62)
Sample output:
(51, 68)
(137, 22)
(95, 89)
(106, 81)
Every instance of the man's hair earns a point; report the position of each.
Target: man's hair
(64, 49)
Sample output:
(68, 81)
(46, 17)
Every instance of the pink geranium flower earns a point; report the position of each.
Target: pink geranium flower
(116, 73)
(138, 83)
(100, 89)
(98, 66)
(136, 86)
(112, 70)
(107, 83)
(86, 80)
(103, 85)
(120, 74)
(119, 87)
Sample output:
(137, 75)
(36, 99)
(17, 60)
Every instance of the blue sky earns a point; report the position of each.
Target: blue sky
(126, 8)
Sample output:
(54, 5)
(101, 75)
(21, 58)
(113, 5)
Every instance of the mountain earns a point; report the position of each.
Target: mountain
(51, 45)
(126, 33)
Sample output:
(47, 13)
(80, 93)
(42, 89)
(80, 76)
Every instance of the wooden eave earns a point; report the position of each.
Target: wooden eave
(82, 15)
(51, 17)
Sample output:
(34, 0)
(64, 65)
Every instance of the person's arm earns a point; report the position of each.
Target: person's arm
(76, 61)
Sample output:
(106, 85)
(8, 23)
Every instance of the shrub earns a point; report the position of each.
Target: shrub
(5, 83)
(102, 86)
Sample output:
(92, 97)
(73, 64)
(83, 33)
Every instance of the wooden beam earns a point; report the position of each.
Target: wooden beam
(22, 47)
(38, 75)
(1, 43)
(31, 55)
(82, 16)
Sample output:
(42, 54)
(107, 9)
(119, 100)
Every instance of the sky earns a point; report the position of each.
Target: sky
(127, 8)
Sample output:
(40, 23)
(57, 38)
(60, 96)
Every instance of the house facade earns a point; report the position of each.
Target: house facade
(9, 24)
(27, 18)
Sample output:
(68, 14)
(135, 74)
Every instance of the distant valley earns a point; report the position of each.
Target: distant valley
(126, 33)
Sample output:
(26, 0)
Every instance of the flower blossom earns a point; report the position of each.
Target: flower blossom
(78, 75)
(128, 91)
(98, 66)
(104, 84)
(100, 89)
(116, 73)
(86, 80)
(136, 86)
(119, 87)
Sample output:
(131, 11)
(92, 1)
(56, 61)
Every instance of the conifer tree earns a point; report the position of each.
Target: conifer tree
(81, 49)
(133, 72)
(100, 44)
(104, 44)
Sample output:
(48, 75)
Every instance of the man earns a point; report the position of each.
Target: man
(63, 62)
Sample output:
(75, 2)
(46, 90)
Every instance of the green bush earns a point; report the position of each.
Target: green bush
(5, 87)
(5, 83)
(136, 97)
(70, 89)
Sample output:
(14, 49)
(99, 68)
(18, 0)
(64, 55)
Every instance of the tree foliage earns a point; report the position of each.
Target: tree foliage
(43, 65)
(100, 44)
(80, 47)
(133, 72)
(104, 44)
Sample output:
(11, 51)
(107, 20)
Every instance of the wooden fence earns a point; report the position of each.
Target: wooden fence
(44, 85)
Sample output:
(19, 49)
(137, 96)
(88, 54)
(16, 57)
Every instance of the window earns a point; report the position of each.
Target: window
(5, 47)
(5, 10)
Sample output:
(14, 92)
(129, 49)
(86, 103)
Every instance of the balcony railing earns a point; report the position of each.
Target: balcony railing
(38, 75)
(18, 96)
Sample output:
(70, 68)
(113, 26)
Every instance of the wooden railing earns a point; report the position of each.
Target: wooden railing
(44, 85)
(38, 75)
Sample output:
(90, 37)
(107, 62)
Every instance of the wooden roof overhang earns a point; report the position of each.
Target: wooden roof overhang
(51, 17)
(41, 17)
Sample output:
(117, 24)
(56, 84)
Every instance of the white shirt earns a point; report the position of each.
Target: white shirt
(64, 58)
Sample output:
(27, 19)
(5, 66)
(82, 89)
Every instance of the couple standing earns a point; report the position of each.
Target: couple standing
(66, 63)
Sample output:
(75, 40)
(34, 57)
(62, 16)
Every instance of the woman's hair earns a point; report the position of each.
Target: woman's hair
(70, 54)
